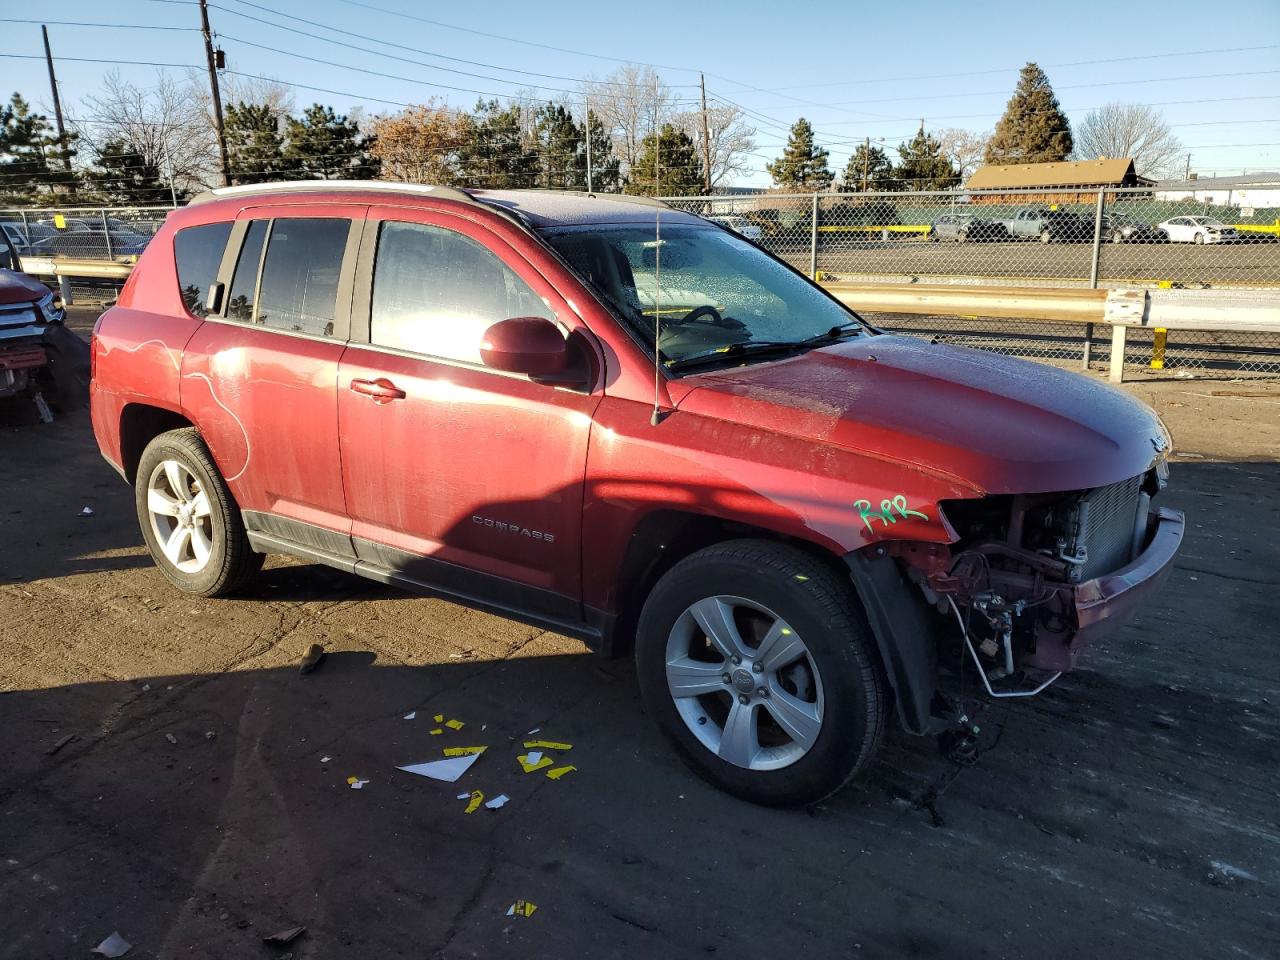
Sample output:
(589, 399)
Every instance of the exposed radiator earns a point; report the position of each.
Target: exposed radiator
(1108, 516)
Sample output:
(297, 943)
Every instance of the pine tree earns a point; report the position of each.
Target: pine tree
(923, 165)
(328, 146)
(28, 149)
(868, 169)
(1033, 129)
(122, 174)
(254, 144)
(495, 155)
(562, 150)
(803, 164)
(668, 166)
(606, 169)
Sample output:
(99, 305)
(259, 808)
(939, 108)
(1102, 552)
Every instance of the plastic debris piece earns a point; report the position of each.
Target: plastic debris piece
(463, 751)
(454, 724)
(86, 511)
(60, 744)
(437, 731)
(439, 718)
(448, 770)
(311, 659)
(114, 946)
(534, 756)
(356, 783)
(171, 738)
(521, 908)
(464, 796)
(497, 802)
(475, 798)
(547, 745)
(42, 408)
(559, 772)
(528, 765)
(285, 936)
(411, 714)
(533, 731)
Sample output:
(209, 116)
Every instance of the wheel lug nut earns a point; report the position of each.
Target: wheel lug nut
(763, 691)
(737, 661)
(743, 699)
(757, 667)
(726, 678)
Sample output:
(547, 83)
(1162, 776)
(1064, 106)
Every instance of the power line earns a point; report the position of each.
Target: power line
(110, 26)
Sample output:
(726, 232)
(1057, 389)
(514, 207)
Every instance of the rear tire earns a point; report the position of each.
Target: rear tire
(1046, 237)
(189, 520)
(802, 725)
(1198, 238)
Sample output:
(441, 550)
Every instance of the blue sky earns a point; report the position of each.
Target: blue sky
(853, 70)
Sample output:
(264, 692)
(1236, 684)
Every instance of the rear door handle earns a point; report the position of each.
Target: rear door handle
(382, 390)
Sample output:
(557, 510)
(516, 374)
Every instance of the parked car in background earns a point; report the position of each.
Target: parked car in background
(91, 244)
(1199, 230)
(1118, 228)
(1049, 226)
(962, 227)
(739, 225)
(796, 524)
(70, 225)
(25, 235)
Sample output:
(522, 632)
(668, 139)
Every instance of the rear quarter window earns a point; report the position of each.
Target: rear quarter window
(197, 251)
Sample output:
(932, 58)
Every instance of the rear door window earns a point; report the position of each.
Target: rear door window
(198, 253)
(244, 283)
(299, 287)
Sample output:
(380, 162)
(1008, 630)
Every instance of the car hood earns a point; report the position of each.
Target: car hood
(993, 423)
(19, 288)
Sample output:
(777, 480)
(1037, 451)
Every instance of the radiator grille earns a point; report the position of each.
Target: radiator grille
(1108, 518)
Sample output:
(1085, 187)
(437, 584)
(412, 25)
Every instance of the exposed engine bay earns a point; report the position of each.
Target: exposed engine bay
(1011, 582)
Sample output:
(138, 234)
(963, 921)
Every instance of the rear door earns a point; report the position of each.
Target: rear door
(458, 475)
(260, 376)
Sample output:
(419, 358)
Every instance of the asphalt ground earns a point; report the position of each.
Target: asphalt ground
(163, 766)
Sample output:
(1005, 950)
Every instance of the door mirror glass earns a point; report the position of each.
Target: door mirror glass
(528, 345)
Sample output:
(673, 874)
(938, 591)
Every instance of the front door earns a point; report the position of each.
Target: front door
(457, 475)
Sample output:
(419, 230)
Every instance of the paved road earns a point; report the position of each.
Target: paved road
(1130, 811)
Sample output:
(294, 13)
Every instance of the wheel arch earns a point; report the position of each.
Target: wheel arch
(140, 423)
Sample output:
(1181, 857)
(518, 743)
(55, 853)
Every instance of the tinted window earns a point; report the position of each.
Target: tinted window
(299, 288)
(245, 280)
(198, 253)
(437, 292)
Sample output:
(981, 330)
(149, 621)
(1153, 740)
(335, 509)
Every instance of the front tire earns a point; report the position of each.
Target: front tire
(189, 519)
(1199, 239)
(757, 662)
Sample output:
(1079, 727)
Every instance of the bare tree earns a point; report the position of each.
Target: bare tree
(632, 102)
(161, 123)
(1135, 130)
(964, 148)
(731, 139)
(419, 144)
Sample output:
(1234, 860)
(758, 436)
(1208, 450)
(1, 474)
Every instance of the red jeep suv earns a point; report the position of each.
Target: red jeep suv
(625, 423)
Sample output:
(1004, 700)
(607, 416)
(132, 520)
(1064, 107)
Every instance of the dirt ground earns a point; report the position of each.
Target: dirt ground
(166, 772)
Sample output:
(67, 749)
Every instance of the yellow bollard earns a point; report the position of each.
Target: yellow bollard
(1157, 348)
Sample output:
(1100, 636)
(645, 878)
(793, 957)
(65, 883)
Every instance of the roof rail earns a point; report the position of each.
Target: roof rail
(625, 198)
(306, 186)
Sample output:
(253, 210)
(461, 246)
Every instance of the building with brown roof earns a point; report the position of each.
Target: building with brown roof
(1071, 181)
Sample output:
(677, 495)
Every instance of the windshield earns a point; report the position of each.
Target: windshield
(1207, 221)
(716, 290)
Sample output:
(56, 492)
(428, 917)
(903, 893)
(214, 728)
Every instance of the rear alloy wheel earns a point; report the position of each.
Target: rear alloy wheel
(1198, 238)
(1117, 237)
(189, 520)
(758, 664)
(1046, 236)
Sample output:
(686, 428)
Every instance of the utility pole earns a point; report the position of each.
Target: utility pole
(586, 102)
(706, 139)
(1188, 173)
(57, 102)
(217, 95)
(866, 160)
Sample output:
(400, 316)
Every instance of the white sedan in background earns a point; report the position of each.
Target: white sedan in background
(1199, 230)
(741, 226)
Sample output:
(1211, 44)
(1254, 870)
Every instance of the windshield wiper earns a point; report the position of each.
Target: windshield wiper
(735, 351)
(852, 328)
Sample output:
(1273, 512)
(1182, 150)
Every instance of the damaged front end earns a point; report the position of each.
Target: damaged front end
(1032, 578)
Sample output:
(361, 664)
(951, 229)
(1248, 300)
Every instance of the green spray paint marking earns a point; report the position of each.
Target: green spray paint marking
(886, 512)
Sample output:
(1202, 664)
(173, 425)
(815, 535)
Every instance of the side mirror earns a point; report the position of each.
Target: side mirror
(530, 345)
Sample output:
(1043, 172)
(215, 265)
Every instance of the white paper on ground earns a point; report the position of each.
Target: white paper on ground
(114, 946)
(499, 801)
(448, 770)
(533, 757)
(411, 714)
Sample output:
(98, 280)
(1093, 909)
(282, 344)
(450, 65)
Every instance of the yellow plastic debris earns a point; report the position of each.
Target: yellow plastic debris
(438, 718)
(521, 908)
(528, 767)
(473, 804)
(454, 724)
(559, 772)
(463, 751)
(437, 731)
(546, 745)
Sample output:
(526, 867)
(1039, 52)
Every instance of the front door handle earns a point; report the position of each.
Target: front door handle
(382, 390)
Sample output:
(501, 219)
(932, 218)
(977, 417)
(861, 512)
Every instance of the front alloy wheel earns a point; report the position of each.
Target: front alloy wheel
(180, 515)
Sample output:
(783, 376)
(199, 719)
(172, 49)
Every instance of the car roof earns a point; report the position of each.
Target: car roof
(534, 208)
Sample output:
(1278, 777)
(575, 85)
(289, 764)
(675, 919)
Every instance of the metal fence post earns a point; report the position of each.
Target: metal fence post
(106, 233)
(26, 229)
(813, 240)
(1087, 354)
